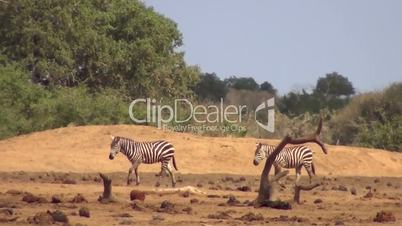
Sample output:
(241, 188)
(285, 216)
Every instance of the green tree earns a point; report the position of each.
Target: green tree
(247, 83)
(266, 86)
(334, 84)
(120, 44)
(210, 87)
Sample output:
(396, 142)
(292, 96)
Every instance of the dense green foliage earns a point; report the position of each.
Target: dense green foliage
(98, 43)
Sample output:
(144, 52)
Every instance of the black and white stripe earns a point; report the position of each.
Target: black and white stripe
(145, 152)
(289, 157)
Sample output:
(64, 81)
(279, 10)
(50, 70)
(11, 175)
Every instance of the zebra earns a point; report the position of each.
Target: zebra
(289, 157)
(145, 152)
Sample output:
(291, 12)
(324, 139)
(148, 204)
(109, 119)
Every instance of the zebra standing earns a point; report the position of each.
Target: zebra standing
(289, 157)
(145, 152)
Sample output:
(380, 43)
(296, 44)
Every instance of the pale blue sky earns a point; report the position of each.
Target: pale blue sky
(292, 43)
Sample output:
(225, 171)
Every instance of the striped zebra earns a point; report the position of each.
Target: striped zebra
(289, 157)
(145, 152)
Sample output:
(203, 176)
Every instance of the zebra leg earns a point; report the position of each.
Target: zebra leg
(161, 174)
(169, 169)
(130, 170)
(137, 177)
(309, 171)
(298, 173)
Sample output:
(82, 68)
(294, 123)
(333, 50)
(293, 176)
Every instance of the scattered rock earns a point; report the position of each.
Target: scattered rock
(69, 181)
(14, 192)
(317, 201)
(158, 217)
(211, 182)
(339, 222)
(251, 217)
(167, 207)
(59, 216)
(220, 215)
(56, 199)
(389, 184)
(186, 194)
(369, 195)
(384, 216)
(377, 180)
(188, 210)
(199, 185)
(137, 195)
(353, 191)
(79, 199)
(84, 212)
(227, 178)
(242, 178)
(213, 196)
(342, 188)
(30, 198)
(122, 215)
(42, 218)
(232, 201)
(368, 187)
(244, 188)
(194, 201)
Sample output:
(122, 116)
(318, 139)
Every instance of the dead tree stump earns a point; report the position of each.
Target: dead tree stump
(106, 197)
(300, 187)
(267, 188)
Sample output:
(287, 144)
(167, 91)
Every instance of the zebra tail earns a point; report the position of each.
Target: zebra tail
(174, 163)
(313, 168)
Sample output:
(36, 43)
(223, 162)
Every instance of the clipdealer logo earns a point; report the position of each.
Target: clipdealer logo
(212, 114)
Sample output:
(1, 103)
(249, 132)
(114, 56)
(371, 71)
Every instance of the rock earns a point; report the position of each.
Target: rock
(84, 212)
(339, 222)
(59, 216)
(137, 195)
(377, 180)
(213, 196)
(244, 188)
(368, 187)
(194, 201)
(188, 210)
(389, 184)
(56, 199)
(317, 201)
(368, 195)
(342, 188)
(353, 191)
(42, 218)
(167, 207)
(252, 217)
(232, 201)
(69, 181)
(186, 194)
(30, 198)
(14, 192)
(79, 199)
(158, 217)
(220, 215)
(384, 216)
(199, 185)
(242, 178)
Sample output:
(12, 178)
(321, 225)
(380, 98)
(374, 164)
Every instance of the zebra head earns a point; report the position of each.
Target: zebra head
(114, 147)
(259, 154)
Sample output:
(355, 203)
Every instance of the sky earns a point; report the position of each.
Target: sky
(292, 43)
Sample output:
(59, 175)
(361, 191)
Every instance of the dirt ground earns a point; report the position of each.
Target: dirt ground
(328, 204)
(57, 165)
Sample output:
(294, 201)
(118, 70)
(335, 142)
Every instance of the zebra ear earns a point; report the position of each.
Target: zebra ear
(112, 137)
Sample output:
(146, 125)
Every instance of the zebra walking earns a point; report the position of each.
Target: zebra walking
(145, 152)
(289, 157)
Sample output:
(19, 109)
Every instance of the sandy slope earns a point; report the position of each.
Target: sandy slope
(86, 149)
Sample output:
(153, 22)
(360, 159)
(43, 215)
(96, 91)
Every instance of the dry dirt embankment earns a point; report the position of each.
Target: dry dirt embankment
(86, 149)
